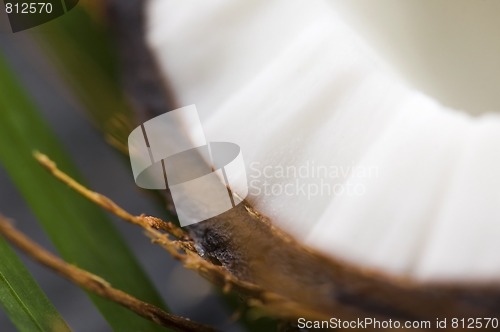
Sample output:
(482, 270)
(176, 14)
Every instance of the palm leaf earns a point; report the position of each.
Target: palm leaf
(80, 231)
(20, 296)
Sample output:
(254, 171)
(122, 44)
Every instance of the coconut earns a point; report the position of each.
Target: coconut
(368, 195)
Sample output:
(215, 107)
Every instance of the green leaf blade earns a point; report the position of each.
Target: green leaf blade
(20, 296)
(80, 231)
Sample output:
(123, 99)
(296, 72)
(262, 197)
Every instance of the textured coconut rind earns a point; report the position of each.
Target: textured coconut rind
(249, 247)
(246, 243)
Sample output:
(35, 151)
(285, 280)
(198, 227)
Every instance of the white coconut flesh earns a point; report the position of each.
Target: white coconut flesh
(341, 152)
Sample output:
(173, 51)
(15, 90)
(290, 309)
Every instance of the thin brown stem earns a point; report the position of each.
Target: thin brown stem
(108, 204)
(96, 284)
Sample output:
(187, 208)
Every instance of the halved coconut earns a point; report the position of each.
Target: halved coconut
(391, 199)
